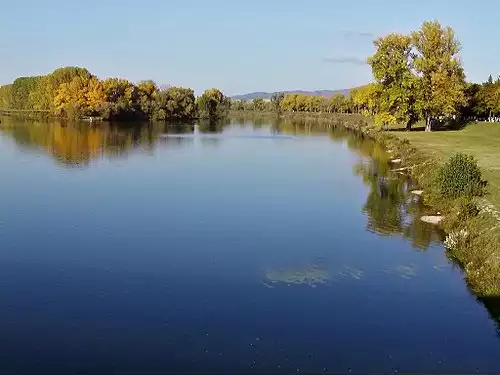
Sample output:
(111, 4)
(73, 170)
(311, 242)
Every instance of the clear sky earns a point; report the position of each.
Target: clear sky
(237, 45)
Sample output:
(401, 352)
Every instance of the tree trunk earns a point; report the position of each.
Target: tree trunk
(428, 124)
(408, 126)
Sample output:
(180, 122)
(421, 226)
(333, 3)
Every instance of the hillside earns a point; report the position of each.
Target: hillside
(267, 95)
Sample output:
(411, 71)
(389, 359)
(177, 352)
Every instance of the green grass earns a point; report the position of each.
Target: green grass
(482, 140)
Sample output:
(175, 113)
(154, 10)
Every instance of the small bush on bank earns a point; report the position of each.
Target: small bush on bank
(467, 211)
(459, 177)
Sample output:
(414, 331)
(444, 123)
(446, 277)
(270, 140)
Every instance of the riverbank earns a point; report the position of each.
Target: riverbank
(479, 139)
(473, 226)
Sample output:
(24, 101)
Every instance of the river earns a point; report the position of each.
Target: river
(252, 246)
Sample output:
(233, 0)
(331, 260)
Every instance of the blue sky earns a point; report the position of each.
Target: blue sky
(238, 46)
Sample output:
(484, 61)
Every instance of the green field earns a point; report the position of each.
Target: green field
(482, 140)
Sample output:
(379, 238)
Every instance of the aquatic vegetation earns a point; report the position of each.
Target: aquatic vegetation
(310, 275)
(401, 270)
(351, 272)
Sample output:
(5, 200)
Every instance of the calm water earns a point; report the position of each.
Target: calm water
(248, 247)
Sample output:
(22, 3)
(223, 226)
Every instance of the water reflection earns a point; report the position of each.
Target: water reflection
(78, 144)
(390, 208)
(492, 304)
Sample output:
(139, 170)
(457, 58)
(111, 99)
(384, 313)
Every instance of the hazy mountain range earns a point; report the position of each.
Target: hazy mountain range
(267, 95)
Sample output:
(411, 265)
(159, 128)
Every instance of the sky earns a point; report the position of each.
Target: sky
(239, 46)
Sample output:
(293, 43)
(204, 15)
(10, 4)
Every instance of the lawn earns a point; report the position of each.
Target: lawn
(481, 139)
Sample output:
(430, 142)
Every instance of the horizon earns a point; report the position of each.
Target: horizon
(257, 47)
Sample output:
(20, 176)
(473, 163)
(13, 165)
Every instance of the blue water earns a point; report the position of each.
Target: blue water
(159, 251)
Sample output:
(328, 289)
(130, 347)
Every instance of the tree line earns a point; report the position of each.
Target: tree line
(74, 92)
(337, 103)
(417, 77)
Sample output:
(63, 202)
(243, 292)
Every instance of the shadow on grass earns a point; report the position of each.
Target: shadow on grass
(403, 129)
(453, 125)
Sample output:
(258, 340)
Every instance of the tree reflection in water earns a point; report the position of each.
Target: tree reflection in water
(390, 208)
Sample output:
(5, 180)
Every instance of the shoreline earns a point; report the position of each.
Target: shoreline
(472, 240)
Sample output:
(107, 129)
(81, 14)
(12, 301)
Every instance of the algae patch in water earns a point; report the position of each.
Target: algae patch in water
(351, 272)
(406, 272)
(308, 275)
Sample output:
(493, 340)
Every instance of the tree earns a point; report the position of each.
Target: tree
(289, 102)
(276, 100)
(365, 98)
(213, 104)
(337, 104)
(391, 66)
(42, 97)
(441, 80)
(175, 103)
(259, 104)
(84, 95)
(6, 96)
(121, 100)
(148, 91)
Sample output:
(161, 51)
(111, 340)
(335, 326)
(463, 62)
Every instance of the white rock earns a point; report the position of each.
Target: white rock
(396, 161)
(432, 219)
(417, 192)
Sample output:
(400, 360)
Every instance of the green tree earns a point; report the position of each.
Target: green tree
(213, 104)
(6, 96)
(441, 80)
(337, 104)
(276, 100)
(258, 104)
(365, 99)
(175, 103)
(121, 100)
(148, 91)
(391, 66)
(43, 95)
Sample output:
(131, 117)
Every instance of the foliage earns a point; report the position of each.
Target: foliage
(80, 97)
(418, 76)
(259, 104)
(213, 104)
(441, 82)
(391, 66)
(460, 176)
(174, 103)
(148, 91)
(73, 92)
(365, 99)
(276, 100)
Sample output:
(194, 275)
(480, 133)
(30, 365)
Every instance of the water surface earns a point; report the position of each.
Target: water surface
(250, 246)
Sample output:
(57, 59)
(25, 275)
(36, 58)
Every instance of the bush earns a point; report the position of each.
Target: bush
(459, 177)
(467, 210)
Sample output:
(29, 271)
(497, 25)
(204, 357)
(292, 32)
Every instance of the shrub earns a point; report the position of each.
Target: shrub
(459, 177)
(467, 210)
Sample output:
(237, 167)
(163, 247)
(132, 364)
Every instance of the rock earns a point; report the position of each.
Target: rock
(418, 192)
(432, 219)
(396, 161)
(399, 169)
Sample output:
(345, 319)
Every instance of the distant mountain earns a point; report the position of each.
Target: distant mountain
(267, 95)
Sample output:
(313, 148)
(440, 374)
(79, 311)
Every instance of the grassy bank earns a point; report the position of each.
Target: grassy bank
(472, 224)
(482, 140)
